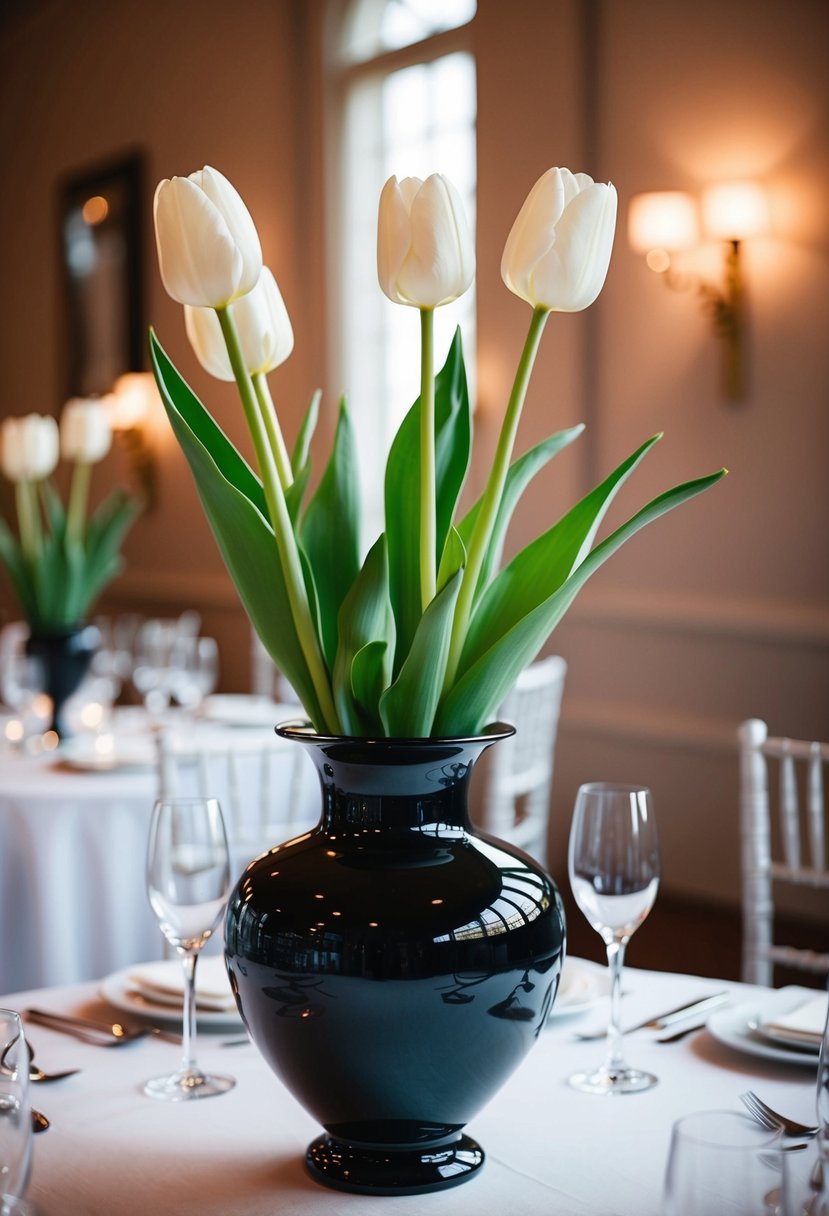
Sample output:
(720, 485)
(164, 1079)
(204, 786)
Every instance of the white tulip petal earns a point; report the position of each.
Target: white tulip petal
(199, 261)
(441, 261)
(29, 448)
(206, 338)
(228, 202)
(558, 251)
(393, 238)
(85, 430)
(533, 233)
(570, 276)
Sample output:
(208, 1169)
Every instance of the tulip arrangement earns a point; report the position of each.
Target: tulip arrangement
(60, 560)
(426, 635)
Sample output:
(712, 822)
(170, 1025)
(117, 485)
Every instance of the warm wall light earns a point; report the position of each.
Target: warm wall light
(664, 223)
(131, 404)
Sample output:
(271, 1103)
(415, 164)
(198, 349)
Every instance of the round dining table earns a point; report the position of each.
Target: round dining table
(73, 837)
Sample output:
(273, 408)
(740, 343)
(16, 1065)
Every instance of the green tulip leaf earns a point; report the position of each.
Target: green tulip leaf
(402, 490)
(365, 619)
(544, 564)
(12, 558)
(301, 460)
(234, 503)
(330, 532)
(477, 695)
(520, 474)
(408, 707)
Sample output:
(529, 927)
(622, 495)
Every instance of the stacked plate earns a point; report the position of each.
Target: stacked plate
(786, 1024)
(156, 991)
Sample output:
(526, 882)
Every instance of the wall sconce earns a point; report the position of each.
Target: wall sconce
(131, 404)
(665, 223)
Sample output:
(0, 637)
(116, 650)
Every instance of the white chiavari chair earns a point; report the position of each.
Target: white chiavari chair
(516, 797)
(783, 833)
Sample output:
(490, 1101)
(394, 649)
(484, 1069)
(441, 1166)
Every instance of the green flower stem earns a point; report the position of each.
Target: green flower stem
(78, 498)
(491, 501)
(274, 431)
(28, 520)
(281, 522)
(428, 526)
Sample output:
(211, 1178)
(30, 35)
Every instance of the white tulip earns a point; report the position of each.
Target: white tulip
(557, 254)
(29, 447)
(208, 247)
(425, 255)
(85, 430)
(264, 327)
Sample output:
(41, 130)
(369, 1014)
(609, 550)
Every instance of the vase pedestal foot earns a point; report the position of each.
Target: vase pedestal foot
(392, 1171)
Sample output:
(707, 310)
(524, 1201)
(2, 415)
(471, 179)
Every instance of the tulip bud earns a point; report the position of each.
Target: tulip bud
(264, 328)
(208, 247)
(425, 255)
(85, 431)
(29, 447)
(557, 254)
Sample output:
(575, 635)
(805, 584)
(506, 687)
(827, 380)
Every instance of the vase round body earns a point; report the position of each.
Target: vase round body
(394, 965)
(64, 656)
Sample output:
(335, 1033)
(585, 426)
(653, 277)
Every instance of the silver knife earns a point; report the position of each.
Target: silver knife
(663, 1020)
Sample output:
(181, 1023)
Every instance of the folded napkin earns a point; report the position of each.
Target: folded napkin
(802, 1025)
(163, 983)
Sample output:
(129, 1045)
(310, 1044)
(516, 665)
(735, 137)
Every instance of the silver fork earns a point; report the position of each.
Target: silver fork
(773, 1120)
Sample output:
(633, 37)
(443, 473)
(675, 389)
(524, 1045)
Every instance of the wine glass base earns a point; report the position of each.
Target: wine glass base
(187, 1085)
(613, 1081)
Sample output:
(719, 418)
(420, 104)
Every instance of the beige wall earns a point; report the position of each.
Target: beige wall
(717, 613)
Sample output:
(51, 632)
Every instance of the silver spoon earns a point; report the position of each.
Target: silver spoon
(37, 1074)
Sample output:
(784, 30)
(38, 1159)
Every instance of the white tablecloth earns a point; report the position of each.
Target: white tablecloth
(550, 1150)
(72, 846)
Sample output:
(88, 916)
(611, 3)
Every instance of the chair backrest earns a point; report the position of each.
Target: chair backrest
(267, 788)
(788, 847)
(516, 800)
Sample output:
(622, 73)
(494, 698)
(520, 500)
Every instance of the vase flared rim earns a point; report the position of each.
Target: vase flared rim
(301, 731)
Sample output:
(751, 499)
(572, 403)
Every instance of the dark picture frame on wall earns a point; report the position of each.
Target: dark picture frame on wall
(100, 216)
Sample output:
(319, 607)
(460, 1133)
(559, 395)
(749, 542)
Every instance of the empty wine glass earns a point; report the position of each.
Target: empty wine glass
(723, 1161)
(188, 882)
(197, 672)
(15, 1112)
(614, 873)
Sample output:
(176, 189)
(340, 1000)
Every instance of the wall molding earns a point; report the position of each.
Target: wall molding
(139, 587)
(749, 620)
(642, 727)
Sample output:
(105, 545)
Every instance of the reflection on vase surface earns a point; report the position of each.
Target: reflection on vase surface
(393, 965)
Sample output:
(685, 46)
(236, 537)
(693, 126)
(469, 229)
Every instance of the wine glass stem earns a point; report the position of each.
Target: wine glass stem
(188, 1028)
(615, 962)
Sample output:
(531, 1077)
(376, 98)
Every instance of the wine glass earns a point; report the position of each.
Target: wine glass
(15, 1112)
(197, 673)
(188, 882)
(614, 874)
(723, 1161)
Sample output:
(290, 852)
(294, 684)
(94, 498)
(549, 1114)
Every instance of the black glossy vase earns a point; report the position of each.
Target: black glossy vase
(394, 965)
(64, 657)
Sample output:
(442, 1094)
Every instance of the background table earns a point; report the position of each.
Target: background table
(72, 847)
(550, 1150)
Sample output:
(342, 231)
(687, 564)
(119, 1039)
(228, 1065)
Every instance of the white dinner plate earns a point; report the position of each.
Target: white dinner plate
(106, 753)
(739, 1027)
(583, 985)
(119, 990)
(231, 709)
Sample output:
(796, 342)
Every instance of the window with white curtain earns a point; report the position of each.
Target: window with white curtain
(403, 102)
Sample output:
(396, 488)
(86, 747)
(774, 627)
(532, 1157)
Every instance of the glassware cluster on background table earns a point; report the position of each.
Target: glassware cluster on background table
(550, 1149)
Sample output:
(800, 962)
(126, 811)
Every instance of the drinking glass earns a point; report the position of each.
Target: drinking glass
(614, 874)
(188, 882)
(723, 1161)
(15, 1112)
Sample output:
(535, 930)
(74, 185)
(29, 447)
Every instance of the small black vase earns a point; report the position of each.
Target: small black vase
(65, 656)
(394, 965)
